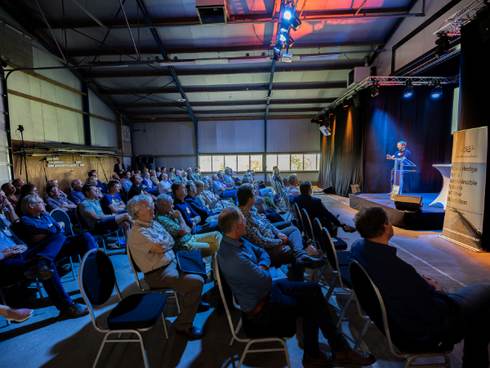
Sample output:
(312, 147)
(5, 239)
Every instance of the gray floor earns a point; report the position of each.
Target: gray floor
(45, 341)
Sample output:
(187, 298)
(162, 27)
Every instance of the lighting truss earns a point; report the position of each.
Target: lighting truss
(452, 25)
(387, 81)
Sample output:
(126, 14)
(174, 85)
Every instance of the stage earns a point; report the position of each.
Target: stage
(428, 218)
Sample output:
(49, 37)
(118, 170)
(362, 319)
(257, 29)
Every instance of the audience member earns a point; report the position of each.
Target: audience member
(165, 185)
(292, 188)
(126, 181)
(284, 246)
(16, 315)
(118, 166)
(92, 177)
(151, 248)
(174, 223)
(10, 192)
(191, 198)
(91, 212)
(76, 195)
(18, 183)
(112, 202)
(136, 186)
(422, 316)
(55, 199)
(272, 307)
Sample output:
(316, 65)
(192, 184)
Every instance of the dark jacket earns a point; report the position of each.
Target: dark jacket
(186, 210)
(316, 208)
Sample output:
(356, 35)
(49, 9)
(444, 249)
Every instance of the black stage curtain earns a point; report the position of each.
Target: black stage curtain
(363, 134)
(341, 163)
(424, 123)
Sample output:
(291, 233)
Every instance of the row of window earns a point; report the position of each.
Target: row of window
(240, 163)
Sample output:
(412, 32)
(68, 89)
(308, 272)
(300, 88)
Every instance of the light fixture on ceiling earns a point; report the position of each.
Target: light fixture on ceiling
(408, 92)
(436, 92)
(325, 130)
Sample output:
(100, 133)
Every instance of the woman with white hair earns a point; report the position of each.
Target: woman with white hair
(151, 248)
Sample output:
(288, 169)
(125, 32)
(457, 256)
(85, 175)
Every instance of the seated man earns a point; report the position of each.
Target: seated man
(91, 212)
(76, 194)
(92, 177)
(165, 185)
(270, 308)
(55, 199)
(125, 179)
(221, 189)
(151, 248)
(191, 217)
(284, 246)
(191, 198)
(292, 189)
(112, 202)
(10, 193)
(422, 316)
(316, 208)
(136, 186)
(173, 222)
(208, 198)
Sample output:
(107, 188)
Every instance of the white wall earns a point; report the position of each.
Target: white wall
(102, 132)
(4, 157)
(163, 139)
(423, 42)
(231, 136)
(292, 136)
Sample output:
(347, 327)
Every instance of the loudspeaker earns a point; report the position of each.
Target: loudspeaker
(407, 203)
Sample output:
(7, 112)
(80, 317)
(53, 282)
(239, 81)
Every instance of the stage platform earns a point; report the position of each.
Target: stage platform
(429, 218)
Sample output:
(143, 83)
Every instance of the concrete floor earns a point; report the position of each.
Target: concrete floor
(45, 341)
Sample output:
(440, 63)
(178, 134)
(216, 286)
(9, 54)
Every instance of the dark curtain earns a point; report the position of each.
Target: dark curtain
(475, 96)
(341, 163)
(421, 121)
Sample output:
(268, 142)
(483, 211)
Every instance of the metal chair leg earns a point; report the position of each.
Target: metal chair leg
(100, 349)
(244, 354)
(164, 321)
(143, 351)
(286, 352)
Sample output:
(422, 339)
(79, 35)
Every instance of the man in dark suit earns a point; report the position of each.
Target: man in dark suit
(316, 208)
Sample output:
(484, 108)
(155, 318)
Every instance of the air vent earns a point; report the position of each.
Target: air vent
(211, 11)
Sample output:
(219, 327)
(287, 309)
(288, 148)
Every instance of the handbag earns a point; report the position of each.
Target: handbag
(190, 261)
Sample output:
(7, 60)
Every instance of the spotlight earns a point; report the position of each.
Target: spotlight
(282, 38)
(436, 92)
(346, 104)
(374, 90)
(287, 14)
(408, 92)
(325, 130)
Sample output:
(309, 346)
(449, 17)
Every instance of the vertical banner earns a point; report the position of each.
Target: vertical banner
(463, 222)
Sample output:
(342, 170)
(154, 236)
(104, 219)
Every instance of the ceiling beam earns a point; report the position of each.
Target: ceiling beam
(163, 119)
(229, 111)
(226, 88)
(313, 15)
(199, 70)
(144, 105)
(125, 51)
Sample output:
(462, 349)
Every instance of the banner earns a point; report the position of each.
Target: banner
(463, 222)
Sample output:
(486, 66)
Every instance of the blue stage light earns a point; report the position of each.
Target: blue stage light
(282, 38)
(436, 93)
(408, 92)
(287, 15)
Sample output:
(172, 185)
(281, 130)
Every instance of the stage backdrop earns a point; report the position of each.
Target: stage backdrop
(355, 153)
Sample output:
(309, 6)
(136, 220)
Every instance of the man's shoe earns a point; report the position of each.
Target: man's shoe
(352, 358)
(74, 311)
(316, 361)
(44, 270)
(203, 306)
(192, 333)
(310, 262)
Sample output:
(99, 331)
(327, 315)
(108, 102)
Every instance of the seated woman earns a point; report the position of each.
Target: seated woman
(173, 222)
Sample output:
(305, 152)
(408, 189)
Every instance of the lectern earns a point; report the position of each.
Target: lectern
(401, 166)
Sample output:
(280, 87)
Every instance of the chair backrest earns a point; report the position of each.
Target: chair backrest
(328, 248)
(370, 299)
(60, 215)
(96, 278)
(317, 229)
(298, 216)
(307, 224)
(217, 276)
(134, 268)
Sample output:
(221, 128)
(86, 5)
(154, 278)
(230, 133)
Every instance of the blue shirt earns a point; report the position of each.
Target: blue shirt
(76, 197)
(29, 228)
(240, 263)
(186, 210)
(109, 199)
(417, 313)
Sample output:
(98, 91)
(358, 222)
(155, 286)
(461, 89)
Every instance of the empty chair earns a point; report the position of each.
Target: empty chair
(372, 303)
(131, 315)
(235, 329)
(308, 227)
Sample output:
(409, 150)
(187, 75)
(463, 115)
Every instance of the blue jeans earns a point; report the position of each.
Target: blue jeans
(289, 300)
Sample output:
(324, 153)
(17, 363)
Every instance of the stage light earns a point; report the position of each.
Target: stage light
(436, 92)
(325, 130)
(408, 92)
(374, 90)
(282, 38)
(287, 14)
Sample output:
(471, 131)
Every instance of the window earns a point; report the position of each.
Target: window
(283, 162)
(218, 163)
(230, 161)
(256, 163)
(205, 163)
(287, 162)
(297, 162)
(243, 163)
